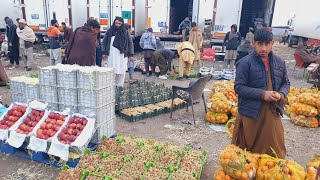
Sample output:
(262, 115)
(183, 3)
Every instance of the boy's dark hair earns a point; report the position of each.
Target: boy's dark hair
(63, 23)
(263, 35)
(17, 19)
(235, 27)
(193, 24)
(94, 24)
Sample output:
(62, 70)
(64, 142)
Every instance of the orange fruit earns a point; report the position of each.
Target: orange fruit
(270, 164)
(247, 167)
(285, 170)
(244, 176)
(239, 174)
(264, 168)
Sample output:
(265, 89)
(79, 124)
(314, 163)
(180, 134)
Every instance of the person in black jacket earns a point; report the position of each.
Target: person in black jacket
(13, 43)
(262, 85)
(232, 41)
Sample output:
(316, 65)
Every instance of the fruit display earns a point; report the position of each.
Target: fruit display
(312, 168)
(151, 110)
(73, 129)
(303, 107)
(136, 158)
(274, 168)
(223, 102)
(220, 174)
(51, 125)
(30, 121)
(238, 163)
(12, 116)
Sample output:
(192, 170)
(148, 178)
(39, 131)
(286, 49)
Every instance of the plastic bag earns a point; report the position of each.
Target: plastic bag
(311, 99)
(273, 169)
(230, 126)
(312, 168)
(311, 122)
(239, 163)
(221, 106)
(303, 109)
(219, 118)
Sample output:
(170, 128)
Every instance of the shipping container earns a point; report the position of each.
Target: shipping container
(11, 9)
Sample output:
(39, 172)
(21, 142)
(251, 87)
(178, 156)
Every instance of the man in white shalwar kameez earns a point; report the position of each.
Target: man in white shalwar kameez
(117, 47)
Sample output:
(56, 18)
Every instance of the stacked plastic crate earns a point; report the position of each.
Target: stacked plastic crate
(18, 89)
(96, 98)
(67, 87)
(48, 87)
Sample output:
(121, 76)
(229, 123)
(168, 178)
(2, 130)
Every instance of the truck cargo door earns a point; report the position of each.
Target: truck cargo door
(101, 9)
(79, 13)
(140, 17)
(158, 15)
(122, 8)
(35, 14)
(59, 8)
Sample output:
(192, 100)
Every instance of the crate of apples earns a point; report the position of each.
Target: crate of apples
(51, 125)
(73, 129)
(30, 121)
(12, 116)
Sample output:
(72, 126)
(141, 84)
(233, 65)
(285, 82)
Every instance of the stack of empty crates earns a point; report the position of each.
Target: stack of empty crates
(48, 87)
(96, 98)
(24, 89)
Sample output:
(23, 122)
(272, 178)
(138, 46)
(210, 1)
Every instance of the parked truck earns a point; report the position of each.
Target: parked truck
(244, 13)
(10, 8)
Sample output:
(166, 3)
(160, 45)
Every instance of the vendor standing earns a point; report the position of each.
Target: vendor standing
(262, 84)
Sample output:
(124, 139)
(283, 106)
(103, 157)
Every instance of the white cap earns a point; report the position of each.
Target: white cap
(22, 21)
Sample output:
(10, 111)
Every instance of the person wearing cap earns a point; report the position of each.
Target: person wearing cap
(54, 36)
(26, 40)
(148, 44)
(82, 45)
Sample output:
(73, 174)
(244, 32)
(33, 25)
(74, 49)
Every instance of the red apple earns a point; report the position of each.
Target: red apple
(75, 132)
(70, 131)
(84, 122)
(78, 126)
(71, 138)
(37, 113)
(39, 134)
(73, 125)
(14, 119)
(43, 125)
(16, 107)
(65, 137)
(56, 116)
(60, 136)
(30, 123)
(31, 129)
(51, 115)
(10, 111)
(59, 122)
(49, 126)
(71, 120)
(44, 132)
(61, 117)
(34, 124)
(45, 137)
(53, 121)
(6, 117)
(77, 120)
(38, 118)
(82, 127)
(41, 114)
(56, 128)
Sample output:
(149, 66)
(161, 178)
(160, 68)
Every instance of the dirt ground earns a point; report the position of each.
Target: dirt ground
(301, 143)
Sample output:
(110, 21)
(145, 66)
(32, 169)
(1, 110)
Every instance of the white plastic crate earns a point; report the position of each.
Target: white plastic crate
(32, 92)
(96, 98)
(95, 78)
(73, 109)
(53, 107)
(48, 94)
(18, 97)
(106, 129)
(102, 114)
(17, 87)
(48, 76)
(68, 96)
(67, 79)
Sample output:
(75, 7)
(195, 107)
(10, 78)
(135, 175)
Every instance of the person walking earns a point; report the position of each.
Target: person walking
(27, 38)
(148, 44)
(196, 40)
(117, 46)
(55, 39)
(262, 85)
(250, 35)
(186, 57)
(13, 42)
(232, 41)
(82, 45)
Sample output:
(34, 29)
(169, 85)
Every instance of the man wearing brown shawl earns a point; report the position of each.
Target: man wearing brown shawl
(82, 45)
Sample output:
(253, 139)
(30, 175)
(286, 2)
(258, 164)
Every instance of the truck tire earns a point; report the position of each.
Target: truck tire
(39, 39)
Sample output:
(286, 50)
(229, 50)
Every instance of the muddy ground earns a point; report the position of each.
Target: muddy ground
(301, 143)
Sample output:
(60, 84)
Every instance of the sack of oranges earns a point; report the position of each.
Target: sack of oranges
(230, 126)
(219, 118)
(221, 175)
(310, 122)
(311, 99)
(313, 168)
(277, 169)
(238, 164)
(221, 106)
(303, 109)
(287, 110)
(234, 110)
